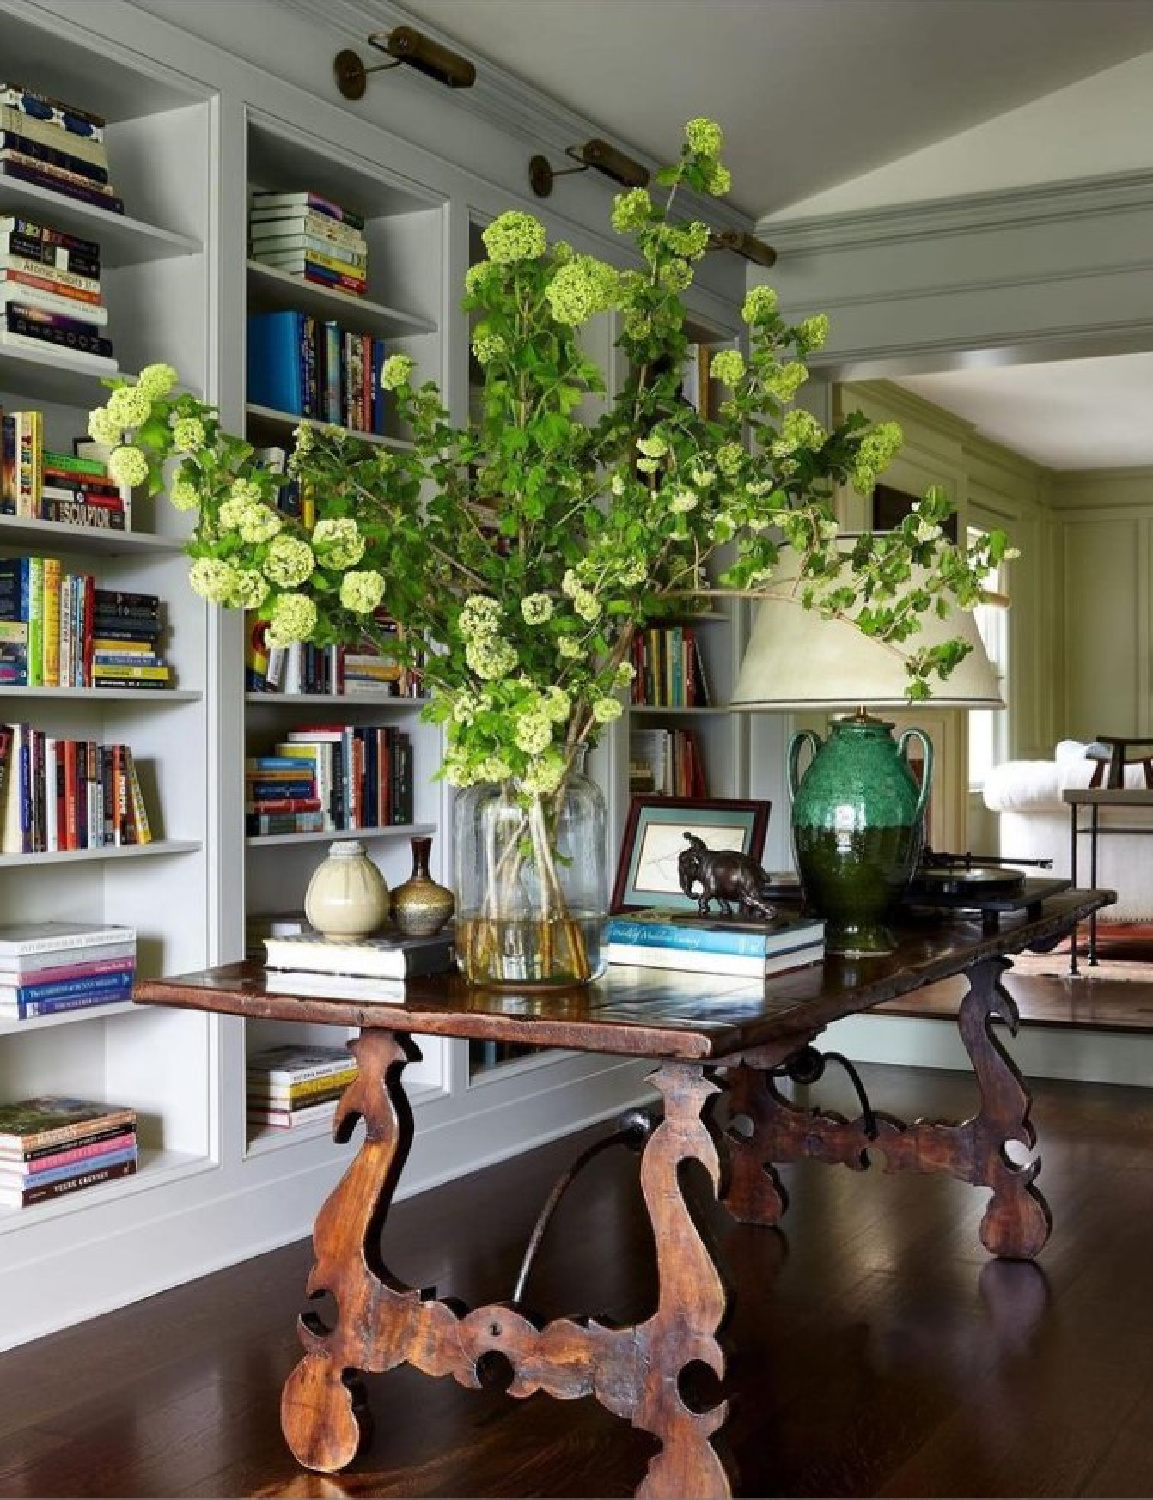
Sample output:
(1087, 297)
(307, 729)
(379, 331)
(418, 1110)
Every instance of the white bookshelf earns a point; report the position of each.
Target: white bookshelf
(154, 254)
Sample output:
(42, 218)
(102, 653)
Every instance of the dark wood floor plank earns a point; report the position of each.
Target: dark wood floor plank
(874, 1347)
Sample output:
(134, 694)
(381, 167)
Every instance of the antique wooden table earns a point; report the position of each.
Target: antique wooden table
(705, 1035)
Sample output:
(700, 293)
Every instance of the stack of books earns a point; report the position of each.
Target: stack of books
(50, 297)
(71, 489)
(307, 235)
(280, 796)
(126, 632)
(289, 1086)
(49, 967)
(361, 775)
(371, 968)
(308, 367)
(55, 1145)
(54, 145)
(653, 938)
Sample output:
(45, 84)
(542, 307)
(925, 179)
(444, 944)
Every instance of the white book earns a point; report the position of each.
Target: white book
(67, 307)
(335, 986)
(392, 957)
(18, 939)
(697, 961)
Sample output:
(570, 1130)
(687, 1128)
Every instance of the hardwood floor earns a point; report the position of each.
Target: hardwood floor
(875, 1348)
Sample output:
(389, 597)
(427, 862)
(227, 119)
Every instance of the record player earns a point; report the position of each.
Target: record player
(983, 883)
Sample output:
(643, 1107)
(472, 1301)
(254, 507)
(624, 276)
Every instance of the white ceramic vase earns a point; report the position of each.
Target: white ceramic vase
(347, 897)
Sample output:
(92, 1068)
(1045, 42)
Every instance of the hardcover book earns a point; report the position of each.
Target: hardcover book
(298, 1063)
(654, 927)
(19, 939)
(53, 1119)
(389, 957)
(699, 961)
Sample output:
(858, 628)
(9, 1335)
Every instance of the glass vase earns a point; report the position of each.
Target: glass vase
(531, 883)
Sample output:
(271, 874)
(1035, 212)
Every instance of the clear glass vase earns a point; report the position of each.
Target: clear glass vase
(531, 884)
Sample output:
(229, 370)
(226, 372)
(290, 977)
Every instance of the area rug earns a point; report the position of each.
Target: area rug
(1130, 942)
(1055, 965)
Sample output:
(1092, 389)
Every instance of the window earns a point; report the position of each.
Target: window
(989, 727)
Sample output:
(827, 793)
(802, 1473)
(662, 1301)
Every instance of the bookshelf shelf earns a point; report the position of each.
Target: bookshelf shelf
(326, 836)
(153, 1168)
(287, 420)
(112, 851)
(22, 531)
(9, 1027)
(336, 700)
(269, 289)
(106, 695)
(124, 241)
(55, 375)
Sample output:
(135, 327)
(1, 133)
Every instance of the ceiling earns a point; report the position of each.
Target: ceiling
(812, 93)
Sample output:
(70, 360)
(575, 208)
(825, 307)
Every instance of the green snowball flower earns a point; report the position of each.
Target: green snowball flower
(289, 562)
(728, 366)
(396, 371)
(188, 434)
(127, 466)
(338, 542)
(293, 619)
(514, 236)
(156, 380)
(362, 592)
(104, 428)
(581, 289)
(536, 608)
(213, 579)
(760, 304)
(705, 137)
(631, 210)
(129, 406)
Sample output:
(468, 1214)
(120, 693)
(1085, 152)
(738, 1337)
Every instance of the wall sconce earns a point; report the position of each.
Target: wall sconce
(744, 244)
(595, 153)
(404, 45)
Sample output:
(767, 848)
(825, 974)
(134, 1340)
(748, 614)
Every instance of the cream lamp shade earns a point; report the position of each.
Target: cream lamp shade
(796, 659)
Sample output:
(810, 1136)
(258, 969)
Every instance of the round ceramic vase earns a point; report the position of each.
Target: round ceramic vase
(347, 897)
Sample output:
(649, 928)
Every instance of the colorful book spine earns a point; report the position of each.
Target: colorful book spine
(34, 149)
(27, 1197)
(40, 106)
(115, 982)
(97, 1145)
(51, 328)
(96, 1163)
(47, 253)
(45, 177)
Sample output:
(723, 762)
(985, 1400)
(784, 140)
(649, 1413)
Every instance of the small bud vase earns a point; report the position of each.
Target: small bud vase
(421, 906)
(347, 897)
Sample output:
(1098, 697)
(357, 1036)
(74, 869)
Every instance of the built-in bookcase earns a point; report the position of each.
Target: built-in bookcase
(154, 283)
(404, 229)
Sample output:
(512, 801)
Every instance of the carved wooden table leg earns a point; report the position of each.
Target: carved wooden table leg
(633, 1372)
(1017, 1221)
(322, 1409)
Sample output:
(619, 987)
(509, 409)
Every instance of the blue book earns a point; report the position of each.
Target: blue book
(655, 928)
(112, 985)
(275, 368)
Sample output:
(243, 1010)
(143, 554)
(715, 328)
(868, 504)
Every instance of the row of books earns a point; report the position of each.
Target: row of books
(312, 367)
(291, 1085)
(55, 144)
(669, 668)
(61, 794)
(44, 484)
(658, 938)
(336, 777)
(50, 294)
(58, 629)
(53, 1145)
(666, 763)
(366, 669)
(307, 235)
(49, 967)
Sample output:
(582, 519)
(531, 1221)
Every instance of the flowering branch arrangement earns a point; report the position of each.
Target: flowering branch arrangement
(521, 553)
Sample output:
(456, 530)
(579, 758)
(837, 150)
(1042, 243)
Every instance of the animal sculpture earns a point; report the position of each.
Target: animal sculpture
(726, 876)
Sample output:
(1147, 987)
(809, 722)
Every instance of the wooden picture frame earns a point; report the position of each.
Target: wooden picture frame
(654, 839)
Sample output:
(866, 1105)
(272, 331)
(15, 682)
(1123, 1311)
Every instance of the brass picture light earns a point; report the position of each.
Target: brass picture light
(595, 153)
(744, 244)
(403, 44)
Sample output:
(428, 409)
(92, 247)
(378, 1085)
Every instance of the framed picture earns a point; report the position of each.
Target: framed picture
(647, 873)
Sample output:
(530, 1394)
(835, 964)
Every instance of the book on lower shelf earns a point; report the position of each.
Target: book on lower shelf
(289, 1084)
(54, 1144)
(389, 955)
(64, 967)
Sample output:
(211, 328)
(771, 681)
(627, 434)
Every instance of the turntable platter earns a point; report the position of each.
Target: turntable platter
(978, 882)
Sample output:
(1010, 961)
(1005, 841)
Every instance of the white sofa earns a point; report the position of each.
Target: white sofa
(1035, 824)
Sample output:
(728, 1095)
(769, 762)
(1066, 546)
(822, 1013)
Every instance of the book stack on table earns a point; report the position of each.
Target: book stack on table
(369, 968)
(55, 1145)
(50, 967)
(289, 1086)
(666, 939)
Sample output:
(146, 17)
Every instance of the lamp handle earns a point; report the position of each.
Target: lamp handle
(927, 774)
(801, 738)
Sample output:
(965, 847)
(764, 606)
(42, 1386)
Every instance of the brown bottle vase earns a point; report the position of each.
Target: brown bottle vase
(421, 905)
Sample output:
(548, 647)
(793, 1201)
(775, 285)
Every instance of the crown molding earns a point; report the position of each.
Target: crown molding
(1056, 202)
(499, 97)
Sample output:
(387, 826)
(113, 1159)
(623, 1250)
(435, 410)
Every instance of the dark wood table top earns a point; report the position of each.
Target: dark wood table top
(639, 1012)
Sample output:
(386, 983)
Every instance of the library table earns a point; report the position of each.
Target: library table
(706, 1036)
